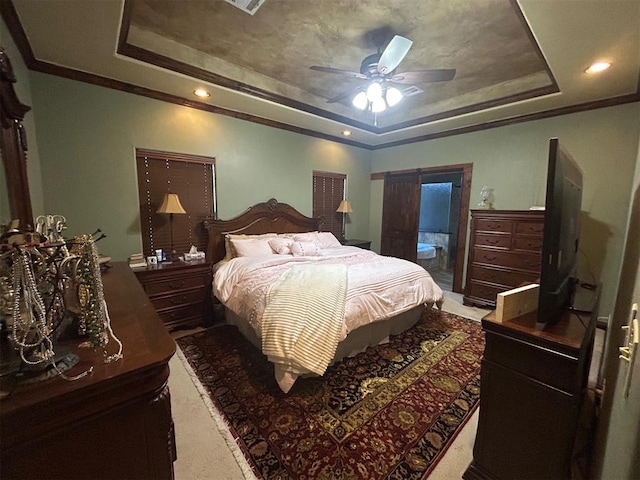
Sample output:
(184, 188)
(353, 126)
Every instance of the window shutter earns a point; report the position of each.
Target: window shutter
(328, 192)
(192, 179)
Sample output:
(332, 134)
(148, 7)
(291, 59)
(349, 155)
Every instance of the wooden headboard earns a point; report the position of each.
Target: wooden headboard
(266, 217)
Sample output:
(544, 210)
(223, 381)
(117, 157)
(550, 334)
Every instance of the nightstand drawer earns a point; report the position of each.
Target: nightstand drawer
(176, 300)
(176, 316)
(156, 287)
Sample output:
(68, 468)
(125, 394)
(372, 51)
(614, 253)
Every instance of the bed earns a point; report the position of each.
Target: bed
(312, 305)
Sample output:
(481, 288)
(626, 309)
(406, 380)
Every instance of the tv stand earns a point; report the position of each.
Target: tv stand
(533, 384)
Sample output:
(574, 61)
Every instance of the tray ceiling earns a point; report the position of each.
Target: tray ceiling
(513, 60)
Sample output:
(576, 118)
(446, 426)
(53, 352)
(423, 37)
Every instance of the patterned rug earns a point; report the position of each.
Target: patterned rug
(389, 412)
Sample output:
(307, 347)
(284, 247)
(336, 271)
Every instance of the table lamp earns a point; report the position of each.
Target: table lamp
(171, 204)
(344, 208)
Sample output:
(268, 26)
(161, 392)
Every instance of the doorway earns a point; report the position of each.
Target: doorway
(401, 215)
(440, 199)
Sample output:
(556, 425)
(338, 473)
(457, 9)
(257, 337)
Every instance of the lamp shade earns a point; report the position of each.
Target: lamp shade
(171, 204)
(344, 207)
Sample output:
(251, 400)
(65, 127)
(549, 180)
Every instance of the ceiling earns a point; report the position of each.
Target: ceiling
(514, 60)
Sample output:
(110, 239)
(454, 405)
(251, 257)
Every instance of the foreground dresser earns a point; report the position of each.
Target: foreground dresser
(534, 380)
(505, 250)
(113, 423)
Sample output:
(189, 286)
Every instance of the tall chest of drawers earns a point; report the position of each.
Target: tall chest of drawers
(505, 251)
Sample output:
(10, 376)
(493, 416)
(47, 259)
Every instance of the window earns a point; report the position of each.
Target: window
(192, 178)
(328, 192)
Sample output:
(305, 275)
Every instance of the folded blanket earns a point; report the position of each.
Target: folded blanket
(303, 317)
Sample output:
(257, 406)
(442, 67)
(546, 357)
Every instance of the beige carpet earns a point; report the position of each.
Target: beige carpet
(203, 444)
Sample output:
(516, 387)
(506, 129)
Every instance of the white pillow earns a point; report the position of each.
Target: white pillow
(305, 237)
(230, 251)
(282, 246)
(305, 249)
(327, 240)
(251, 247)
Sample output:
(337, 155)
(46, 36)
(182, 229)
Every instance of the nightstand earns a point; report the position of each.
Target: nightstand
(179, 291)
(366, 244)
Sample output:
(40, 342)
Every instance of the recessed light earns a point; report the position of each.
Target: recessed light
(346, 133)
(201, 93)
(598, 67)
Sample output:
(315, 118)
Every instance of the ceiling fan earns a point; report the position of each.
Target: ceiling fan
(379, 70)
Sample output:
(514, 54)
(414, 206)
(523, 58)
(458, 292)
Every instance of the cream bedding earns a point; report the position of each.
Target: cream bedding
(378, 287)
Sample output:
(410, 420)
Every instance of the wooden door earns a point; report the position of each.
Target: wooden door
(400, 215)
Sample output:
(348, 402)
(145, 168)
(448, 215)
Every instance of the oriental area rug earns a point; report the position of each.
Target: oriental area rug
(389, 412)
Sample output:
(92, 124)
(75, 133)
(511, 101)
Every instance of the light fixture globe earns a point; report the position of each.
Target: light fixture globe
(374, 92)
(360, 101)
(378, 105)
(393, 96)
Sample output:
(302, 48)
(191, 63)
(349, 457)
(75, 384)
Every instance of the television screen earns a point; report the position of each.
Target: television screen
(561, 233)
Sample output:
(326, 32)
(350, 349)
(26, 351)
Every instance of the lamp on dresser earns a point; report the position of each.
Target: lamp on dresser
(171, 205)
(344, 208)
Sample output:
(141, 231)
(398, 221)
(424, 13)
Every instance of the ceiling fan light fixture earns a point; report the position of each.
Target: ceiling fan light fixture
(360, 101)
(374, 92)
(393, 96)
(378, 105)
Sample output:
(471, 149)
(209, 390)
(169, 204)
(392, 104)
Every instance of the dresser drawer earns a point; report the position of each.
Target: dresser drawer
(166, 285)
(506, 278)
(493, 240)
(533, 244)
(486, 225)
(522, 261)
(178, 299)
(486, 292)
(530, 228)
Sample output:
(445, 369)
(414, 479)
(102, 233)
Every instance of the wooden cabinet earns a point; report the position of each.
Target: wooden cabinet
(504, 252)
(534, 380)
(366, 244)
(179, 291)
(115, 422)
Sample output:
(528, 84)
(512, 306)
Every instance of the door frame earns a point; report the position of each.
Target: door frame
(466, 169)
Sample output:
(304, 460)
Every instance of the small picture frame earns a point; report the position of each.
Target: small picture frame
(152, 260)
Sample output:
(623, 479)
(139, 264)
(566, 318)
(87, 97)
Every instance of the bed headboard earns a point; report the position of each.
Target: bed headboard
(267, 217)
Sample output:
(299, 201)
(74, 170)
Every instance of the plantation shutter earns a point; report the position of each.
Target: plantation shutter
(192, 178)
(328, 192)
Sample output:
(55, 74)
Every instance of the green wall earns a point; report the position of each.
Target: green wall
(88, 136)
(512, 160)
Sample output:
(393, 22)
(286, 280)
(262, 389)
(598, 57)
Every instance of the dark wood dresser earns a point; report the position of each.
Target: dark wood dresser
(179, 291)
(115, 422)
(534, 380)
(505, 250)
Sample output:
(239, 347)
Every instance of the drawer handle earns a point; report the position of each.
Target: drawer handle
(176, 285)
(493, 226)
(491, 259)
(178, 300)
(491, 241)
(174, 316)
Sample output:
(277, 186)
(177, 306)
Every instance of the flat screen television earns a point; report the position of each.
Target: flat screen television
(561, 234)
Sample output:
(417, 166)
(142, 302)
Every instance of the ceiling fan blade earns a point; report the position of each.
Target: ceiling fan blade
(424, 76)
(393, 54)
(338, 71)
(346, 94)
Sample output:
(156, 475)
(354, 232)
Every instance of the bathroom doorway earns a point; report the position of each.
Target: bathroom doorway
(438, 230)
